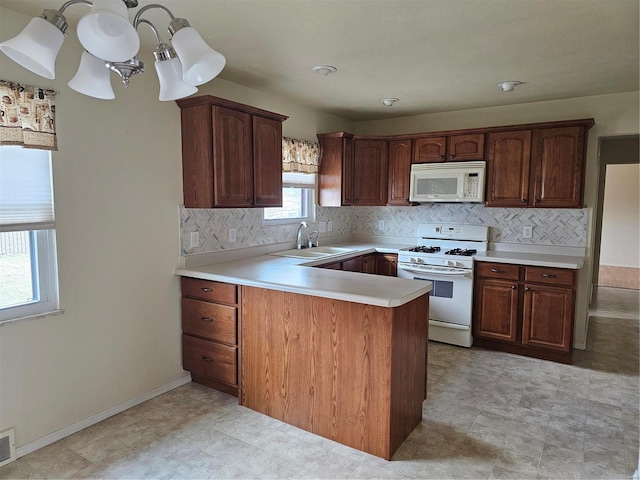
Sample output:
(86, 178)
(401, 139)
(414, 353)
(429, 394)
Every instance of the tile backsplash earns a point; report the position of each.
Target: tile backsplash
(558, 227)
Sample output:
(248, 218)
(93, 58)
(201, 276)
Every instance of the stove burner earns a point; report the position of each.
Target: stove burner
(464, 253)
(424, 249)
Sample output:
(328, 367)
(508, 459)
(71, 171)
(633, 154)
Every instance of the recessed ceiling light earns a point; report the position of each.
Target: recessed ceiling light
(324, 70)
(509, 85)
(389, 101)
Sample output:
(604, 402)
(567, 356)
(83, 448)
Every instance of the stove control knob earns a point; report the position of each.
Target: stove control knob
(417, 260)
(450, 263)
(459, 264)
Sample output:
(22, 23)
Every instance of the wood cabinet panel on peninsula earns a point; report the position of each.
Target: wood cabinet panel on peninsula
(525, 309)
(210, 331)
(231, 154)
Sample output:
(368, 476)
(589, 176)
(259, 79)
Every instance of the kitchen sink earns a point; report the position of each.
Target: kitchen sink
(314, 252)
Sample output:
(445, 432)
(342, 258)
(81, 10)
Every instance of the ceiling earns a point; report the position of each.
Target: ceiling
(435, 55)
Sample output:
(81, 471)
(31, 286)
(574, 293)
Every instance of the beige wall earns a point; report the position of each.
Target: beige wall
(620, 245)
(117, 185)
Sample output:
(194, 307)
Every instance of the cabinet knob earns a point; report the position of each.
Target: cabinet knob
(441, 157)
(536, 201)
(527, 289)
(206, 289)
(206, 319)
(495, 270)
(453, 155)
(258, 199)
(513, 287)
(207, 359)
(524, 200)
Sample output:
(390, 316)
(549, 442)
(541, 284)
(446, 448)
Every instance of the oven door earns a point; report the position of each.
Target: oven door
(450, 300)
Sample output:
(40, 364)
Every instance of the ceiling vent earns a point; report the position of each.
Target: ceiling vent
(7, 447)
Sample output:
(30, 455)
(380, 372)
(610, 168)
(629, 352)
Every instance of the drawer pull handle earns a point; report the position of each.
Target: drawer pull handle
(495, 270)
(206, 289)
(207, 359)
(548, 275)
(206, 319)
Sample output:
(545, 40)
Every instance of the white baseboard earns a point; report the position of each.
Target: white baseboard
(98, 417)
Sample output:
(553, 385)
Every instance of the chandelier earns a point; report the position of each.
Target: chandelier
(111, 44)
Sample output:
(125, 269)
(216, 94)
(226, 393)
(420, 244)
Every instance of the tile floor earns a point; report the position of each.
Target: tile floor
(488, 415)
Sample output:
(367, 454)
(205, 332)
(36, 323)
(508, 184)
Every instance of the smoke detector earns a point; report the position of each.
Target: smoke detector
(389, 101)
(509, 85)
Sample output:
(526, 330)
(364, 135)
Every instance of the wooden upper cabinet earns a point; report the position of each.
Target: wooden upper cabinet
(232, 158)
(558, 167)
(335, 172)
(508, 167)
(267, 162)
(231, 154)
(399, 172)
(370, 170)
(452, 148)
(462, 148)
(429, 149)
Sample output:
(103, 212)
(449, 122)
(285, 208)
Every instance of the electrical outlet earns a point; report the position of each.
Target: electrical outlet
(195, 239)
(232, 235)
(381, 225)
(329, 226)
(527, 231)
(322, 227)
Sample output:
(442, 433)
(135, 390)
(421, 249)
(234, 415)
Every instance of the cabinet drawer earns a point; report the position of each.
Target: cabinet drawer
(209, 320)
(210, 359)
(550, 276)
(209, 291)
(503, 271)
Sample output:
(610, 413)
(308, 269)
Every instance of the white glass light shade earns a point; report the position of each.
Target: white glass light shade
(172, 87)
(92, 78)
(200, 63)
(36, 47)
(107, 33)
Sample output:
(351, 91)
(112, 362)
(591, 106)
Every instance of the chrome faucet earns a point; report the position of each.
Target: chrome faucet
(313, 235)
(302, 226)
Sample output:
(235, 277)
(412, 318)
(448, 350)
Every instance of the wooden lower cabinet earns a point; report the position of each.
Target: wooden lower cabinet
(350, 372)
(210, 333)
(374, 263)
(525, 309)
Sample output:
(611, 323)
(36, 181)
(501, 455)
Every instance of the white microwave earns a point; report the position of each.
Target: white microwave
(447, 182)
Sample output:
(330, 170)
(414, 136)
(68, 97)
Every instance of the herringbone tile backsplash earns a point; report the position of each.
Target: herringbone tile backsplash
(558, 227)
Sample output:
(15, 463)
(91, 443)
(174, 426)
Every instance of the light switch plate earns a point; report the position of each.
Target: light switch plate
(322, 227)
(527, 231)
(232, 235)
(381, 225)
(329, 226)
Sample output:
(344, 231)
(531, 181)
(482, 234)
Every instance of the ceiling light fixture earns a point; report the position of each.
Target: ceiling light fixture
(509, 85)
(111, 42)
(389, 101)
(324, 70)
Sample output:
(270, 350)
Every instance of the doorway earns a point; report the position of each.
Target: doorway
(617, 222)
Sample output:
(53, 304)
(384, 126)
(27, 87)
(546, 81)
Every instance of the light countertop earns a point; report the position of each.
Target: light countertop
(297, 275)
(533, 259)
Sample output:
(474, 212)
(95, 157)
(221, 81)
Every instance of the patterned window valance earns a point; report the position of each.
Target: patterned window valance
(27, 116)
(300, 155)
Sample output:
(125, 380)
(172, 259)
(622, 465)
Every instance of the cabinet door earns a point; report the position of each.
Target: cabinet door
(232, 158)
(352, 265)
(508, 169)
(429, 149)
(369, 264)
(399, 172)
(335, 173)
(387, 264)
(547, 317)
(370, 170)
(557, 167)
(267, 162)
(496, 310)
(465, 147)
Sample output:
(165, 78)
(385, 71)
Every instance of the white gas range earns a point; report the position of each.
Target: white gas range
(444, 256)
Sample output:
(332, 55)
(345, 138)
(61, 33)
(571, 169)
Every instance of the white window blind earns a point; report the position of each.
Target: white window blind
(26, 193)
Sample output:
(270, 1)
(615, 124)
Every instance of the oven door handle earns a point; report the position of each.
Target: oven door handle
(432, 272)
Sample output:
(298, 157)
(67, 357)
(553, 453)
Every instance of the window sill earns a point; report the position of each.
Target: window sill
(32, 317)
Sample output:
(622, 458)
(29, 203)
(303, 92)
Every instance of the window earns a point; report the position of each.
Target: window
(28, 268)
(298, 200)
